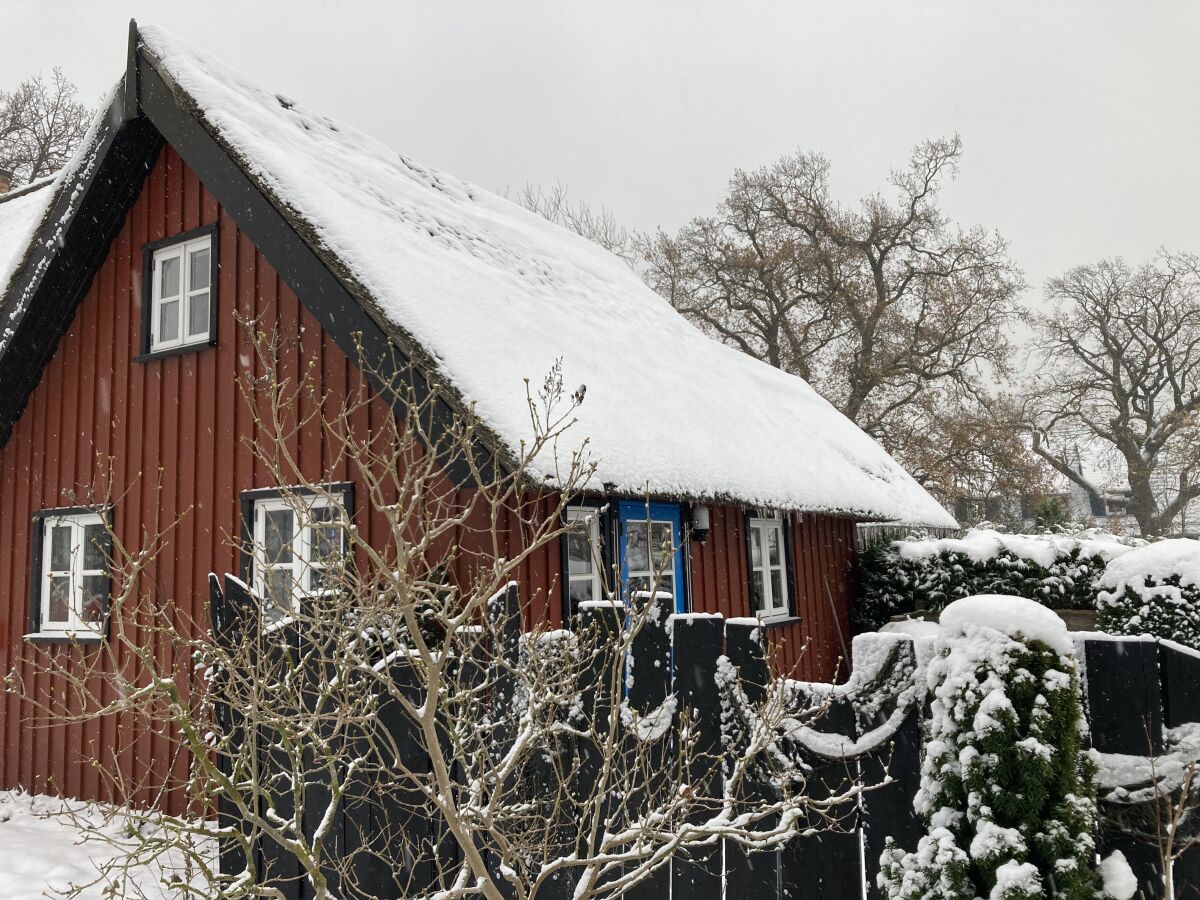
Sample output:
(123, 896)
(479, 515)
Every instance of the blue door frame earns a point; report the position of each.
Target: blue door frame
(637, 513)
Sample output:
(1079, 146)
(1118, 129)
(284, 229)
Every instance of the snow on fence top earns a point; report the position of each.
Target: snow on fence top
(496, 295)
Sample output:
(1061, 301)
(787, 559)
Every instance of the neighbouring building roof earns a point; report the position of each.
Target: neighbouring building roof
(21, 211)
(494, 295)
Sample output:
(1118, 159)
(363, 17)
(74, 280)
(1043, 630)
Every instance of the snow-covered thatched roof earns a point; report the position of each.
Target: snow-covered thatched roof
(494, 295)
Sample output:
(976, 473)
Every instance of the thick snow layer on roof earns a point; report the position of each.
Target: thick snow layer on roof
(498, 295)
(20, 215)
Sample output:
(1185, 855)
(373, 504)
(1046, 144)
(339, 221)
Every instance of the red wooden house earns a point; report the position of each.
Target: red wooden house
(199, 198)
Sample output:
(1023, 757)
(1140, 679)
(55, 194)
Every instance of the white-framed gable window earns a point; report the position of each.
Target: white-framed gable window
(73, 573)
(181, 301)
(582, 555)
(299, 545)
(768, 568)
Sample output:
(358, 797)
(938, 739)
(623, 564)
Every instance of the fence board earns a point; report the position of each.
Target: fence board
(750, 874)
(698, 641)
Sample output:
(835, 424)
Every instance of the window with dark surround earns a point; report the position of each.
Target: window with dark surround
(70, 580)
(768, 549)
(179, 294)
(295, 541)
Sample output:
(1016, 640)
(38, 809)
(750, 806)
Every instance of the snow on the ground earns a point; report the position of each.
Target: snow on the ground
(43, 852)
(498, 295)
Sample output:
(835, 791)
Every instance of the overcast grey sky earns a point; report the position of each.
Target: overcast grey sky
(1081, 121)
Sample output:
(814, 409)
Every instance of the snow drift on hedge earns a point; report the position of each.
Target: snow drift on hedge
(1153, 590)
(1016, 617)
(984, 544)
(1056, 570)
(496, 295)
(1154, 563)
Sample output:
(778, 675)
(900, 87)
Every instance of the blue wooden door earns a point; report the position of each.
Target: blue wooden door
(651, 543)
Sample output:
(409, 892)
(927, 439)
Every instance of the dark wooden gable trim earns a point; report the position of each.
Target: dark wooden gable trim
(71, 243)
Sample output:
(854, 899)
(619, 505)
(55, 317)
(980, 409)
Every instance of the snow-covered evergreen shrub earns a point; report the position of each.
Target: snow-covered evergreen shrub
(1153, 590)
(1056, 570)
(1006, 787)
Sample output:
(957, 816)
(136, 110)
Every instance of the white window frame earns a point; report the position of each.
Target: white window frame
(182, 251)
(653, 575)
(774, 608)
(302, 562)
(587, 517)
(75, 623)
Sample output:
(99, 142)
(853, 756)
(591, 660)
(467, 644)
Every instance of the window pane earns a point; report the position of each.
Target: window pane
(198, 314)
(637, 555)
(773, 545)
(279, 587)
(95, 599)
(60, 548)
(198, 270)
(168, 277)
(60, 596)
(582, 589)
(756, 547)
(579, 551)
(777, 596)
(663, 544)
(756, 588)
(326, 543)
(168, 321)
(95, 540)
(665, 584)
(638, 583)
(320, 580)
(279, 531)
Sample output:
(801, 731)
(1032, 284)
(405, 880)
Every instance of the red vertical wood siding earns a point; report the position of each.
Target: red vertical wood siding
(811, 647)
(172, 428)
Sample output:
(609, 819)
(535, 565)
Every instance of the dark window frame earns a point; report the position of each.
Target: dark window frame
(148, 251)
(34, 634)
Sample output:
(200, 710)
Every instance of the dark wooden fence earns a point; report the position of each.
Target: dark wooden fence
(869, 733)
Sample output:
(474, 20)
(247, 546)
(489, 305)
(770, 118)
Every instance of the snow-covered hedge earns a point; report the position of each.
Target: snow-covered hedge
(1006, 785)
(1153, 590)
(1056, 570)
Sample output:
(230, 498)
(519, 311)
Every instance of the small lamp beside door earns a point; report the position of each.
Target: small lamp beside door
(700, 523)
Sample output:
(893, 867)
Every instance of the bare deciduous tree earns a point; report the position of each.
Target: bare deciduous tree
(392, 693)
(881, 307)
(1120, 374)
(600, 227)
(41, 125)
(976, 459)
